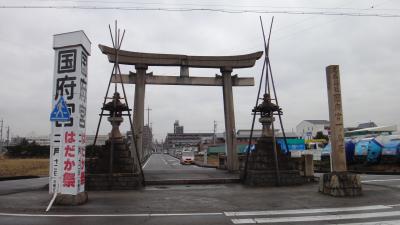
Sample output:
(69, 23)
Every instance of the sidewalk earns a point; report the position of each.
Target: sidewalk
(22, 185)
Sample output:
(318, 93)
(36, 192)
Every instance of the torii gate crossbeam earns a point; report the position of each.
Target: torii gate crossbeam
(225, 63)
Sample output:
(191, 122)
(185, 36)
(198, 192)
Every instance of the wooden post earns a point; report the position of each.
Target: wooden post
(140, 88)
(336, 119)
(230, 131)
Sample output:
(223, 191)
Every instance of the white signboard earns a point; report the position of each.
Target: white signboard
(68, 137)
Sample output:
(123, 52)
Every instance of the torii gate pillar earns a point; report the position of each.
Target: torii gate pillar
(229, 113)
(138, 113)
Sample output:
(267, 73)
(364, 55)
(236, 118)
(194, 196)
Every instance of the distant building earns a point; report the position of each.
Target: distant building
(372, 131)
(45, 140)
(178, 129)
(39, 140)
(101, 139)
(243, 136)
(361, 126)
(147, 139)
(307, 129)
(366, 125)
(14, 141)
(187, 139)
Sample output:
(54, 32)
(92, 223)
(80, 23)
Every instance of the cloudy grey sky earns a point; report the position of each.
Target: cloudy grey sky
(366, 48)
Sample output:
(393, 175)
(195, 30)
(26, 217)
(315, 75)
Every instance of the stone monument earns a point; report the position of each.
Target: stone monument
(339, 182)
(113, 167)
(68, 134)
(267, 164)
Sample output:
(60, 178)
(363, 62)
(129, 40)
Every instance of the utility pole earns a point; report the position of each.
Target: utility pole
(8, 135)
(215, 131)
(148, 116)
(1, 131)
(1, 135)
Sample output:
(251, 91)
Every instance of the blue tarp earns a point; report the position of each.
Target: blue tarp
(369, 148)
(349, 147)
(392, 148)
(327, 150)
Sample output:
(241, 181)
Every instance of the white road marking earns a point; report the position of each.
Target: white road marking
(145, 164)
(165, 161)
(317, 218)
(388, 222)
(367, 181)
(302, 211)
(173, 159)
(110, 215)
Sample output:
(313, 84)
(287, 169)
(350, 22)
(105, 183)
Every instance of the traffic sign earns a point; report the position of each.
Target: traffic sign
(60, 112)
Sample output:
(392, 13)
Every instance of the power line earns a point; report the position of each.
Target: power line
(342, 6)
(213, 4)
(231, 11)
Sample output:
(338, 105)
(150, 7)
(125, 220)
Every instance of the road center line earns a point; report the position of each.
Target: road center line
(303, 211)
(317, 218)
(145, 164)
(110, 215)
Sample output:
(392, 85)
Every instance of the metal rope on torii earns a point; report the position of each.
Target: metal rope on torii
(140, 78)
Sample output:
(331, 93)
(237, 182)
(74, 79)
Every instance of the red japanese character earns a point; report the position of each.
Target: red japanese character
(69, 137)
(82, 177)
(68, 164)
(69, 151)
(69, 180)
(83, 138)
(82, 163)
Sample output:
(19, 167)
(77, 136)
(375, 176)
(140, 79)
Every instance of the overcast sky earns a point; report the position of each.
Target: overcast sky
(366, 48)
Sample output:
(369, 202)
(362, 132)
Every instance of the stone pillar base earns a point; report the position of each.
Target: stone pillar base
(116, 181)
(267, 178)
(79, 199)
(340, 184)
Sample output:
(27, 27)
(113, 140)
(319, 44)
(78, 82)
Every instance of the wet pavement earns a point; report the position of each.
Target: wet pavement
(205, 204)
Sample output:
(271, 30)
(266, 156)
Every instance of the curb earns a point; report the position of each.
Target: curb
(364, 172)
(193, 181)
(202, 165)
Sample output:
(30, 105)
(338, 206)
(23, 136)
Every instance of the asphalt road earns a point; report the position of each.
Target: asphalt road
(204, 204)
(167, 162)
(165, 169)
(391, 181)
(16, 186)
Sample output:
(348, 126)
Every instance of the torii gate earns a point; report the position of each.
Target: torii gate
(226, 64)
